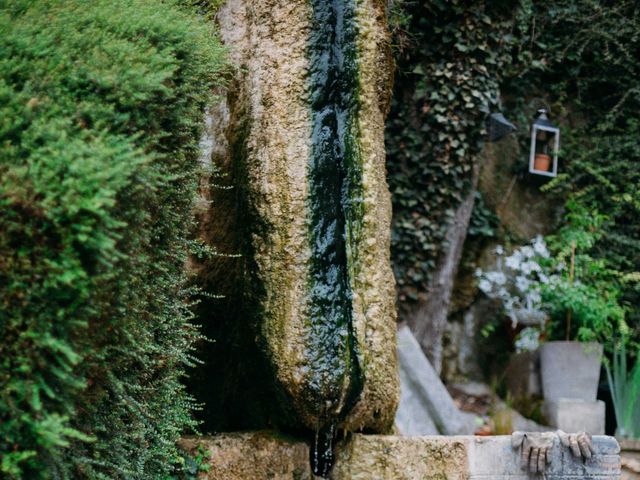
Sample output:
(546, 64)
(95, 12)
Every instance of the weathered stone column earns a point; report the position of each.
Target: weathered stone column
(302, 125)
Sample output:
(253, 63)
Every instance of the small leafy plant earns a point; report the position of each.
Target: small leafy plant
(625, 391)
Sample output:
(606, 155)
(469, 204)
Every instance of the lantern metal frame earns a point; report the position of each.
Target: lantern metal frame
(542, 123)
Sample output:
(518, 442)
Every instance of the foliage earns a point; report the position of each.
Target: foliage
(100, 116)
(585, 288)
(450, 58)
(625, 391)
(194, 464)
(576, 292)
(581, 58)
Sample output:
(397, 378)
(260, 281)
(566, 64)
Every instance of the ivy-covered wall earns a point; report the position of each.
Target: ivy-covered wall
(450, 59)
(101, 108)
(456, 62)
(583, 58)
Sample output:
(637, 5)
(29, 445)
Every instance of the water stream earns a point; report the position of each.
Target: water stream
(335, 192)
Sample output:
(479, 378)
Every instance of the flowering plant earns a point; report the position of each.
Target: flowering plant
(517, 283)
(577, 293)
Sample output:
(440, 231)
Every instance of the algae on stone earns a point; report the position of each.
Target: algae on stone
(303, 125)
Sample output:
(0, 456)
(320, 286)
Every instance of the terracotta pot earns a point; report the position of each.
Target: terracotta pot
(542, 162)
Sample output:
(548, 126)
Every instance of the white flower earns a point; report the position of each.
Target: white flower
(499, 250)
(534, 298)
(527, 252)
(485, 285)
(540, 247)
(526, 268)
(497, 278)
(513, 261)
(522, 283)
(478, 272)
(534, 266)
(528, 339)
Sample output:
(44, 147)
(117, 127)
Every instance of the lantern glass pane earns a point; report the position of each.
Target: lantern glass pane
(544, 150)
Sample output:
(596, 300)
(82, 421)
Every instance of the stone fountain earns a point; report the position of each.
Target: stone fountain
(298, 134)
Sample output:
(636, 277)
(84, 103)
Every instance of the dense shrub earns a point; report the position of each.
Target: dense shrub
(100, 114)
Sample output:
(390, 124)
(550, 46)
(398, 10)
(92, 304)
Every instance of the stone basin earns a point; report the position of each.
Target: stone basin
(268, 455)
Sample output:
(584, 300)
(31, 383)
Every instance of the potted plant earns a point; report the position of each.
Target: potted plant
(582, 300)
(565, 297)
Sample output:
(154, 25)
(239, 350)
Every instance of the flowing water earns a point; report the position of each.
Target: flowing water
(335, 193)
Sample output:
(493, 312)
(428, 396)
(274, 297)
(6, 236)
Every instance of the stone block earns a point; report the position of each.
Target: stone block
(251, 456)
(264, 455)
(426, 408)
(573, 415)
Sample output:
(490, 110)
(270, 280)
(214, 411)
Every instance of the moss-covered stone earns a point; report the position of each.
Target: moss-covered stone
(303, 146)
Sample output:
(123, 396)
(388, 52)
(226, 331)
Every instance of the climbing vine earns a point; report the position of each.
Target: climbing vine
(581, 56)
(455, 60)
(450, 56)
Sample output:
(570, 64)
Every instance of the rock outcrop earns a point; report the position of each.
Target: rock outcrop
(299, 136)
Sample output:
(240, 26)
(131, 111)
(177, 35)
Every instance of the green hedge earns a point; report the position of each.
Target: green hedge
(101, 106)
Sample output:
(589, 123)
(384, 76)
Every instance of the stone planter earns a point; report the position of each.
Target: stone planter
(570, 370)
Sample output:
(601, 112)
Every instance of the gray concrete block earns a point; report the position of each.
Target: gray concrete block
(494, 457)
(411, 417)
(426, 408)
(573, 415)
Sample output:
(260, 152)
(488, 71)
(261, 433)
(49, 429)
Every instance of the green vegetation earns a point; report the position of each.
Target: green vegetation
(451, 56)
(625, 391)
(583, 298)
(581, 56)
(100, 115)
(577, 57)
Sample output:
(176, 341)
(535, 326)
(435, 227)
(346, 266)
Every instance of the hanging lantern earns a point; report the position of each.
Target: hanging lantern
(545, 143)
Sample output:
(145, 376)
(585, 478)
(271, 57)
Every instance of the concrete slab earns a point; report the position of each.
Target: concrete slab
(573, 415)
(264, 455)
(426, 408)
(377, 457)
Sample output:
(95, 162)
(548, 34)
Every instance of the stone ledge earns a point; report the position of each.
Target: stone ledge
(264, 455)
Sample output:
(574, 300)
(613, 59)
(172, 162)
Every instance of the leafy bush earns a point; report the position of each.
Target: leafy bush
(100, 114)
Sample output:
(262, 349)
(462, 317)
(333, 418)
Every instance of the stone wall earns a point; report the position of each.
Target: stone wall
(261, 455)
